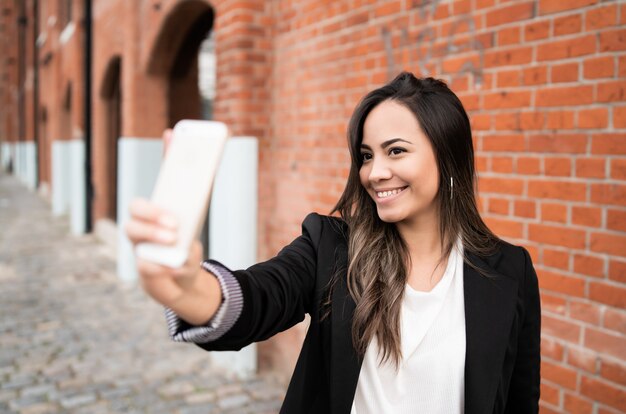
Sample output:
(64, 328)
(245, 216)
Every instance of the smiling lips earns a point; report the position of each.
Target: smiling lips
(389, 193)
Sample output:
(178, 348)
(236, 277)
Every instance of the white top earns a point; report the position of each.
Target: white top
(431, 375)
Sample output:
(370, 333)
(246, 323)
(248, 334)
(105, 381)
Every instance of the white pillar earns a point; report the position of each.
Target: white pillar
(30, 164)
(139, 160)
(78, 193)
(233, 228)
(61, 177)
(7, 155)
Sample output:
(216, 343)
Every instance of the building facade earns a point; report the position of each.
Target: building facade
(87, 88)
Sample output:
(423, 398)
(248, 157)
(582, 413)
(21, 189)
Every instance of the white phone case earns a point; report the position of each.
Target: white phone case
(184, 185)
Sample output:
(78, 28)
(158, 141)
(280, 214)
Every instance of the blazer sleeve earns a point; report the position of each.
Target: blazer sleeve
(523, 394)
(276, 293)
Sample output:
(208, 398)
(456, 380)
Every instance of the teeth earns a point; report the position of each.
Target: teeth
(384, 194)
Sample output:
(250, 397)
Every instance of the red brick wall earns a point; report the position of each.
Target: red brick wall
(544, 82)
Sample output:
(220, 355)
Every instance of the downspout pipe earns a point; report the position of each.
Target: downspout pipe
(89, 193)
(36, 119)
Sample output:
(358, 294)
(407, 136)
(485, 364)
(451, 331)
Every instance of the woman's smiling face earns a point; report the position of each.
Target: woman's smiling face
(399, 168)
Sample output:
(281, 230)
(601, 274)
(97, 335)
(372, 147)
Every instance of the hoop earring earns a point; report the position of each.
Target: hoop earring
(451, 187)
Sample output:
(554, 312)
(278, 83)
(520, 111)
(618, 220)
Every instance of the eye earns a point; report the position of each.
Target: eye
(396, 151)
(366, 156)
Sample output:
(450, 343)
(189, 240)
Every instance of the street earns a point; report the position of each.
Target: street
(74, 339)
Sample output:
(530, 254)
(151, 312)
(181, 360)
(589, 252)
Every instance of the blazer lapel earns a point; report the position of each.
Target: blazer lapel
(344, 365)
(490, 303)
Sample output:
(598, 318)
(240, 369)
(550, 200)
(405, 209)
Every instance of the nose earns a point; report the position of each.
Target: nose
(379, 171)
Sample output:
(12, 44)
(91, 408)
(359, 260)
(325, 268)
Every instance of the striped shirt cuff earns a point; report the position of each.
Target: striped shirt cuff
(225, 317)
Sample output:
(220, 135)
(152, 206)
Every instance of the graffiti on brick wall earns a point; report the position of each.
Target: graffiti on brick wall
(424, 47)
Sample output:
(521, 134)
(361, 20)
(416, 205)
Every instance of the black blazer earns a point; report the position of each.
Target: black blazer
(502, 318)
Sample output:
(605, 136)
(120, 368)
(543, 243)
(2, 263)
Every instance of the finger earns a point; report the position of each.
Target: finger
(142, 209)
(167, 139)
(138, 232)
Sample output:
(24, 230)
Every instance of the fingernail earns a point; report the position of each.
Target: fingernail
(168, 221)
(166, 236)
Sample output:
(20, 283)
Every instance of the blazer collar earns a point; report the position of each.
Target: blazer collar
(489, 310)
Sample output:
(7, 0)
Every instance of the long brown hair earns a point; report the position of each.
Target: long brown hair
(377, 255)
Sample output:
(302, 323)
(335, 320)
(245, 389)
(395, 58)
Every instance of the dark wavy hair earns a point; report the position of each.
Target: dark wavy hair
(378, 258)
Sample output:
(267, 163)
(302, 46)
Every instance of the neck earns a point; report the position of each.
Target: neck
(422, 237)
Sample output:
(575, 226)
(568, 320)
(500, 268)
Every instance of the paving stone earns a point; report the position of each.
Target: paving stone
(74, 339)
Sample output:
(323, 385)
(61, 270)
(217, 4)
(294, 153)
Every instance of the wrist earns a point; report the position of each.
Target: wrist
(200, 300)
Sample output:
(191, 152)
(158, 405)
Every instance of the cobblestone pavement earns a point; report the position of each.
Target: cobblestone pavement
(74, 340)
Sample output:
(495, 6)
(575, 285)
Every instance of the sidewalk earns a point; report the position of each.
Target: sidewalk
(74, 340)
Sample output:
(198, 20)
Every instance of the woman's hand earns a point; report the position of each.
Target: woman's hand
(190, 291)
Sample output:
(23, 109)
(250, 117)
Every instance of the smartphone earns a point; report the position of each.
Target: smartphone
(183, 186)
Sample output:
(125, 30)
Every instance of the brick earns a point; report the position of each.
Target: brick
(560, 120)
(537, 75)
(585, 312)
(612, 91)
(509, 36)
(508, 14)
(553, 212)
(504, 143)
(528, 165)
(559, 374)
(501, 185)
(498, 206)
(553, 304)
(508, 57)
(556, 258)
(610, 294)
(554, 6)
(508, 78)
(613, 371)
(617, 271)
(603, 392)
(564, 96)
(618, 169)
(616, 220)
(608, 243)
(589, 265)
(568, 48)
(609, 144)
(619, 116)
(621, 68)
(574, 404)
(587, 216)
(502, 164)
(481, 122)
(558, 282)
(531, 120)
(567, 72)
(537, 30)
(612, 40)
(591, 167)
(568, 24)
(550, 394)
(552, 349)
(564, 144)
(388, 8)
(524, 208)
(558, 166)
(599, 67)
(499, 100)
(601, 17)
(593, 118)
(614, 194)
(505, 228)
(615, 320)
(556, 235)
(455, 64)
(461, 7)
(561, 329)
(560, 190)
(583, 359)
(606, 343)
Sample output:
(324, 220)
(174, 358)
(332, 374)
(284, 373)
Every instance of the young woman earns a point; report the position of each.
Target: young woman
(415, 305)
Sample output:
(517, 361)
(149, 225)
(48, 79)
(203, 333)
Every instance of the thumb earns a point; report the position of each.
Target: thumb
(167, 139)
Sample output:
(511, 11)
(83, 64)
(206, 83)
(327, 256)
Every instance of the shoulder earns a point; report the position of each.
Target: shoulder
(321, 225)
(507, 259)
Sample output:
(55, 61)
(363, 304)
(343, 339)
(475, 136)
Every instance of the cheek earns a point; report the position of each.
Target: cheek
(363, 176)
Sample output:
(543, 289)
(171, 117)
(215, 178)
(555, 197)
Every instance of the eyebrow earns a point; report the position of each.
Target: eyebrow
(387, 143)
